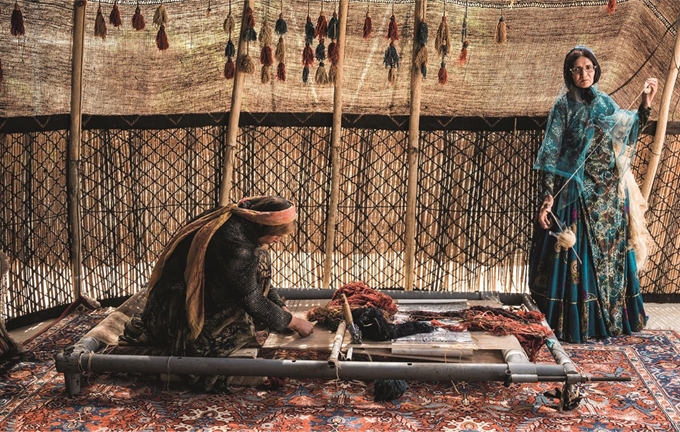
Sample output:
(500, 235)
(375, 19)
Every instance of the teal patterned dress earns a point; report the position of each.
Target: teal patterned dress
(590, 290)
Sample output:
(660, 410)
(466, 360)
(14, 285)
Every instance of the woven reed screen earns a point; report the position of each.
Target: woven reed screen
(475, 206)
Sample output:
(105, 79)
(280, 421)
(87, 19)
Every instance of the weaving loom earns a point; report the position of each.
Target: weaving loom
(478, 356)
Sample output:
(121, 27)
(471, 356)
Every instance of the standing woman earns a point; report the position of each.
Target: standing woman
(212, 284)
(582, 267)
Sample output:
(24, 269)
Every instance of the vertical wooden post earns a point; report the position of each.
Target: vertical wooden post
(74, 144)
(413, 153)
(336, 140)
(660, 134)
(234, 113)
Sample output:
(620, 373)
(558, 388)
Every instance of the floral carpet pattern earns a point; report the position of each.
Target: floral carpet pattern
(33, 396)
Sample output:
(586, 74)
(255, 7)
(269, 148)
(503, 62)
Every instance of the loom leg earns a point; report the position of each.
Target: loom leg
(72, 381)
(570, 397)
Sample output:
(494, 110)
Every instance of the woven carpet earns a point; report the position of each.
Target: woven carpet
(33, 396)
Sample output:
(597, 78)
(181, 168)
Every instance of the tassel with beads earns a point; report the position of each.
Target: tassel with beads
(17, 21)
(501, 31)
(368, 25)
(443, 39)
(138, 22)
(463, 56)
(100, 24)
(321, 26)
(611, 6)
(114, 17)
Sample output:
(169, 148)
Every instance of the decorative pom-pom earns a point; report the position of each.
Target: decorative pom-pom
(333, 53)
(611, 6)
(17, 21)
(463, 56)
(305, 74)
(281, 72)
(321, 76)
(229, 69)
(162, 39)
(160, 17)
(309, 30)
(100, 24)
(246, 64)
(307, 55)
(443, 75)
(114, 17)
(138, 22)
(280, 53)
(281, 28)
(443, 39)
(391, 56)
(266, 56)
(321, 26)
(320, 52)
(265, 74)
(501, 31)
(265, 34)
(333, 27)
(393, 29)
(230, 49)
(368, 26)
(229, 24)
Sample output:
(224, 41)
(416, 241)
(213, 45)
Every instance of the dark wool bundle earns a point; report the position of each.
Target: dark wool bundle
(138, 22)
(17, 21)
(393, 29)
(422, 33)
(281, 27)
(320, 52)
(100, 24)
(230, 49)
(309, 30)
(391, 56)
(333, 27)
(114, 17)
(374, 325)
(281, 72)
(162, 39)
(387, 390)
(305, 74)
(368, 26)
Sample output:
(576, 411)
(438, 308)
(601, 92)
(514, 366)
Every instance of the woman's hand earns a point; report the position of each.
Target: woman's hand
(651, 86)
(301, 326)
(544, 212)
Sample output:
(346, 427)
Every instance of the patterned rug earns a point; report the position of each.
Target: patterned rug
(33, 396)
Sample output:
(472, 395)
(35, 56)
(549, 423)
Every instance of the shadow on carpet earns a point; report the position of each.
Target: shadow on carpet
(33, 396)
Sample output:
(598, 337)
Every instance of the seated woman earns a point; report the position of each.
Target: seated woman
(213, 280)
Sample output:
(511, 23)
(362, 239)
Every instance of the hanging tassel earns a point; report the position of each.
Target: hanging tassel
(443, 39)
(265, 75)
(501, 31)
(162, 39)
(280, 53)
(332, 73)
(266, 56)
(230, 49)
(463, 56)
(321, 76)
(391, 56)
(422, 33)
(368, 26)
(421, 60)
(246, 65)
(265, 34)
(443, 75)
(333, 53)
(17, 21)
(138, 22)
(333, 27)
(281, 72)
(611, 6)
(160, 18)
(305, 74)
(249, 32)
(229, 69)
(321, 26)
(392, 75)
(100, 24)
(114, 17)
(307, 56)
(281, 28)
(393, 29)
(229, 24)
(207, 12)
(320, 52)
(309, 30)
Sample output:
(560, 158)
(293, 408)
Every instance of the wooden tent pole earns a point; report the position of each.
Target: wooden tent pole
(413, 153)
(661, 124)
(234, 113)
(74, 144)
(336, 144)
